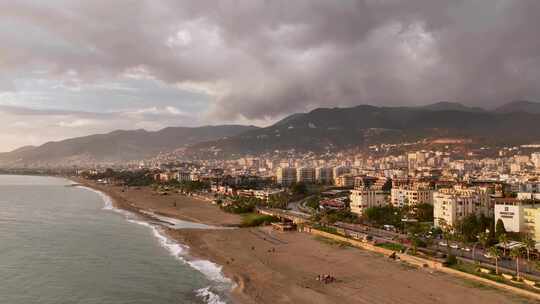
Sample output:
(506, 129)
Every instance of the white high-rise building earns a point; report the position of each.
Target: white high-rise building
(286, 176)
(535, 159)
(305, 175)
(324, 175)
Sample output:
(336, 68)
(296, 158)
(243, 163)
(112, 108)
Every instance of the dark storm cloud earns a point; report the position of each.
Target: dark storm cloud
(263, 59)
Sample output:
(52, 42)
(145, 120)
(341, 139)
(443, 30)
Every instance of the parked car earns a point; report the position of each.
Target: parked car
(466, 249)
(389, 228)
(454, 246)
(440, 254)
(444, 244)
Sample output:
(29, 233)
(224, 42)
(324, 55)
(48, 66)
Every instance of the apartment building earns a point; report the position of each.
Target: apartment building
(364, 198)
(453, 204)
(286, 176)
(345, 181)
(324, 175)
(305, 175)
(411, 196)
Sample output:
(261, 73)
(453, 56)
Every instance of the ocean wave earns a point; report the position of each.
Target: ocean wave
(211, 271)
(107, 200)
(208, 296)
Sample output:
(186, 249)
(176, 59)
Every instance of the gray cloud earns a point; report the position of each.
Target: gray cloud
(263, 59)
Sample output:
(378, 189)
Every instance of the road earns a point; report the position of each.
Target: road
(298, 206)
(506, 262)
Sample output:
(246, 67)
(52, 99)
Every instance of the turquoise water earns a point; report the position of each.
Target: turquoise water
(59, 244)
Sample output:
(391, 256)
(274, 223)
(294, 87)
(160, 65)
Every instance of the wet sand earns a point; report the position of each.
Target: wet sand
(172, 205)
(277, 267)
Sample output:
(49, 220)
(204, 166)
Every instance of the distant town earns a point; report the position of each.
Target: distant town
(478, 206)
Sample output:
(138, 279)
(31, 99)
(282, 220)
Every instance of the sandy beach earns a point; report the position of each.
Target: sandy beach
(276, 267)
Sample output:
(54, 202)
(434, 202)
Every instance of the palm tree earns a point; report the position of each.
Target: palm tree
(446, 232)
(495, 254)
(503, 239)
(515, 253)
(529, 246)
(483, 239)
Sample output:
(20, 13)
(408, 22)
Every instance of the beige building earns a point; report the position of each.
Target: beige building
(453, 204)
(361, 199)
(411, 196)
(345, 181)
(339, 171)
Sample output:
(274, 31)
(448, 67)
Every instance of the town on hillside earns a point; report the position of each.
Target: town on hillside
(479, 207)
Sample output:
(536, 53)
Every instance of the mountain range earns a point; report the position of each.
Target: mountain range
(318, 130)
(118, 146)
(340, 128)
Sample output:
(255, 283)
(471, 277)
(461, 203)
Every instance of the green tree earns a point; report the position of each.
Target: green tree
(499, 228)
(515, 253)
(495, 255)
(424, 212)
(313, 202)
(503, 239)
(299, 189)
(386, 215)
(415, 242)
(529, 246)
(483, 239)
(278, 201)
(446, 232)
(469, 227)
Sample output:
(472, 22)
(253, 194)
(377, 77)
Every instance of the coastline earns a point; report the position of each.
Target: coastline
(161, 231)
(268, 267)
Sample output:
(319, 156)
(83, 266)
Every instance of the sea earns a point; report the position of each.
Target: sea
(68, 244)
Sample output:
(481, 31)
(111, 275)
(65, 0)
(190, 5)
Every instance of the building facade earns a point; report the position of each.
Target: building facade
(401, 197)
(361, 199)
(305, 175)
(324, 175)
(345, 181)
(286, 176)
(453, 204)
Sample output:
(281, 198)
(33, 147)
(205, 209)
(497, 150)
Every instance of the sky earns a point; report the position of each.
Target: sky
(72, 68)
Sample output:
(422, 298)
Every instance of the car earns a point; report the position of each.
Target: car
(454, 246)
(444, 244)
(389, 228)
(488, 255)
(467, 249)
(440, 254)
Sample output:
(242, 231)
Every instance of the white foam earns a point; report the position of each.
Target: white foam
(208, 296)
(106, 199)
(210, 270)
(179, 224)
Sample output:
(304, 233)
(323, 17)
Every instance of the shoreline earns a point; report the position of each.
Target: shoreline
(246, 257)
(212, 271)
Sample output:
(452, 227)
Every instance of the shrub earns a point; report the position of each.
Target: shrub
(253, 220)
(392, 246)
(450, 260)
(331, 230)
